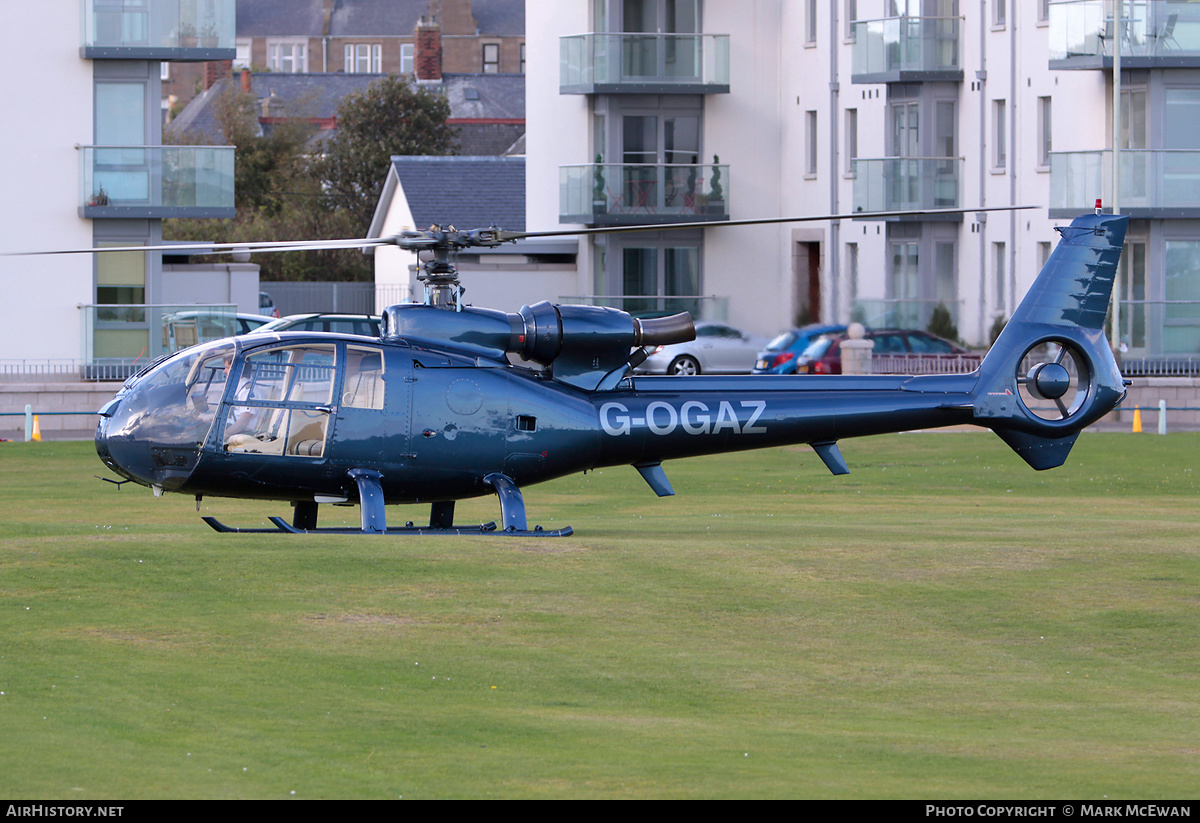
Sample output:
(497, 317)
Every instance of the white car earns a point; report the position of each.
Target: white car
(717, 349)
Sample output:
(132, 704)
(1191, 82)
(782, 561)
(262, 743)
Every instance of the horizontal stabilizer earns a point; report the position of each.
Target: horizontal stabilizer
(1038, 451)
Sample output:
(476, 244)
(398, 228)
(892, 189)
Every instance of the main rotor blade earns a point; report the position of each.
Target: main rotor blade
(860, 215)
(452, 238)
(223, 248)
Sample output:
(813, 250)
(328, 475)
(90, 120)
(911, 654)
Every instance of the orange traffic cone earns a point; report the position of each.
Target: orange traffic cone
(1137, 420)
(37, 430)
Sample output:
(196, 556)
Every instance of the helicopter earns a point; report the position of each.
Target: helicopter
(454, 401)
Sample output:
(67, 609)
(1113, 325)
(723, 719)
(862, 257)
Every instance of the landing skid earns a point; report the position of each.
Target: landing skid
(374, 518)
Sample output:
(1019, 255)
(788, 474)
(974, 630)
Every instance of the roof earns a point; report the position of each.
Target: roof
(357, 18)
(500, 17)
(468, 192)
(485, 96)
(280, 18)
(488, 109)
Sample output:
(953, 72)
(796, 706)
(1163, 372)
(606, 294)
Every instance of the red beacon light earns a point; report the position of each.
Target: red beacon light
(1098, 208)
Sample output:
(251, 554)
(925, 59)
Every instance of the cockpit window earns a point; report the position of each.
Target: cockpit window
(281, 402)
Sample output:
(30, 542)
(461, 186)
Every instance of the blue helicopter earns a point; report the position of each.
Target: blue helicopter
(454, 401)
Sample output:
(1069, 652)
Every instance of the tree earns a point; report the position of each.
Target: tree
(391, 116)
(282, 192)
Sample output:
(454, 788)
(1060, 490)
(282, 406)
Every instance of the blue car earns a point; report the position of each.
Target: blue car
(779, 357)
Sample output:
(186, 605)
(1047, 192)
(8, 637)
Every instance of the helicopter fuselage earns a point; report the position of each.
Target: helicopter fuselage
(445, 421)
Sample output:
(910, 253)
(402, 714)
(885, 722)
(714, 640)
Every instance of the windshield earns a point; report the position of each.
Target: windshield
(782, 342)
(817, 348)
(174, 403)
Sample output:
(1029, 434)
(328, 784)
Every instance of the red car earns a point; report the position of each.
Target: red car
(903, 352)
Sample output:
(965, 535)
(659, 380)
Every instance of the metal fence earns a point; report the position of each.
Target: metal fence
(344, 298)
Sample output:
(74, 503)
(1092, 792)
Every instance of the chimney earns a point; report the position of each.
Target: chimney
(428, 61)
(214, 71)
(246, 81)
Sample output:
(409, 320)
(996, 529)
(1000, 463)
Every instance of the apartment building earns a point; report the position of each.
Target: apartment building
(84, 166)
(800, 107)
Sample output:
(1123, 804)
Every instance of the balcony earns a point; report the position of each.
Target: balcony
(896, 183)
(1157, 34)
(644, 64)
(1153, 184)
(138, 333)
(604, 194)
(182, 30)
(156, 181)
(906, 50)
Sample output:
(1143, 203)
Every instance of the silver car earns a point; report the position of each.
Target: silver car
(717, 349)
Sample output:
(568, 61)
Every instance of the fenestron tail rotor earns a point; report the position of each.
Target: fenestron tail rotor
(1054, 379)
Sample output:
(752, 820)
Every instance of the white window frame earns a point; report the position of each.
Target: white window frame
(810, 148)
(999, 135)
(1045, 124)
(851, 140)
(245, 50)
(288, 55)
(362, 58)
(408, 53)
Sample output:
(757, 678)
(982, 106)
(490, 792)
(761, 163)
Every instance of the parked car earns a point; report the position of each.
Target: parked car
(365, 324)
(916, 352)
(266, 305)
(779, 356)
(717, 349)
(187, 328)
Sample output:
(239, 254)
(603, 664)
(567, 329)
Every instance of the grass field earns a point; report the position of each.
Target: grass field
(943, 622)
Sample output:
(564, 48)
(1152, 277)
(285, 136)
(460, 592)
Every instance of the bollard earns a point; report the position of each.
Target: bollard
(1162, 416)
(28, 422)
(1137, 420)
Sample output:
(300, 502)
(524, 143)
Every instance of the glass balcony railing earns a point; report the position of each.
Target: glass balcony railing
(1155, 32)
(138, 333)
(610, 194)
(899, 49)
(159, 29)
(894, 183)
(648, 63)
(1154, 180)
(709, 308)
(156, 181)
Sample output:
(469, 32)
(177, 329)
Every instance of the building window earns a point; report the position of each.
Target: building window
(852, 272)
(1043, 12)
(810, 22)
(242, 59)
(998, 271)
(810, 150)
(491, 58)
(1044, 144)
(851, 17)
(406, 58)
(1181, 331)
(999, 135)
(287, 57)
(522, 58)
(164, 71)
(364, 58)
(999, 13)
(851, 139)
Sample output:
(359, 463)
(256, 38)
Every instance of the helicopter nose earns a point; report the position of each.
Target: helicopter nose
(102, 443)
